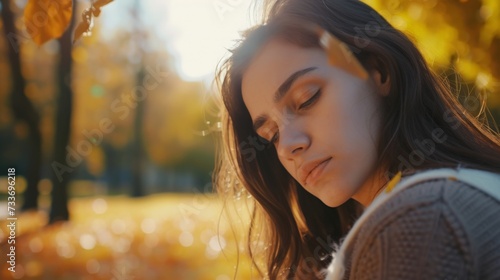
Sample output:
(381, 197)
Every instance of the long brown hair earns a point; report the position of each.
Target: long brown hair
(424, 126)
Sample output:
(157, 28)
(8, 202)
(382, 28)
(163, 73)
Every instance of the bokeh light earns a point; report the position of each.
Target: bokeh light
(173, 227)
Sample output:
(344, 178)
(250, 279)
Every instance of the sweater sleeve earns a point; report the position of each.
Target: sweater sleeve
(438, 229)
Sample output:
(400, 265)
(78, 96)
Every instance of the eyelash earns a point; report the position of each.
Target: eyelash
(304, 105)
(274, 138)
(311, 100)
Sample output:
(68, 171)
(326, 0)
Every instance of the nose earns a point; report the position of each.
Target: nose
(293, 140)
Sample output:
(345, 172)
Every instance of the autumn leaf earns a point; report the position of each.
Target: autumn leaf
(97, 6)
(340, 56)
(393, 182)
(84, 28)
(47, 19)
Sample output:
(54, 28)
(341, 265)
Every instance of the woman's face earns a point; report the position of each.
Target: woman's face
(323, 122)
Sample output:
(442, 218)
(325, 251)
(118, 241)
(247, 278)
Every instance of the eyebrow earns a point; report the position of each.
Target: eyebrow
(285, 86)
(280, 94)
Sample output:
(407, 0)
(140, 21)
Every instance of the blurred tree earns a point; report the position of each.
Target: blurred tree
(138, 161)
(456, 37)
(59, 205)
(23, 109)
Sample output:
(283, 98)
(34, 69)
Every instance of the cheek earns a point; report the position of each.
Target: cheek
(349, 129)
(353, 115)
(331, 122)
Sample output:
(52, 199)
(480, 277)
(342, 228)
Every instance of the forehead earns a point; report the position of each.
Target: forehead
(272, 65)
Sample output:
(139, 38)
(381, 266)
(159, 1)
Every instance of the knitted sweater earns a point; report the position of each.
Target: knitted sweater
(437, 229)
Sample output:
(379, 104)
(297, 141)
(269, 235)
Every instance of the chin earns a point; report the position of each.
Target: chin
(332, 200)
(329, 195)
(333, 203)
(332, 190)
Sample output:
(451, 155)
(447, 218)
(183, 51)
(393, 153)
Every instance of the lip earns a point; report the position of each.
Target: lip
(310, 171)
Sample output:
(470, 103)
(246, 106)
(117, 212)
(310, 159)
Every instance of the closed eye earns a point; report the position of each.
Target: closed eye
(275, 138)
(311, 100)
(271, 141)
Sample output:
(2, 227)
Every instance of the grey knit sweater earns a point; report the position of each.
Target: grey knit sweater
(439, 229)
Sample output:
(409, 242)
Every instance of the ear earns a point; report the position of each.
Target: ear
(382, 81)
(380, 75)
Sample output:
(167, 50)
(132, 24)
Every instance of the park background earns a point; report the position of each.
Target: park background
(108, 187)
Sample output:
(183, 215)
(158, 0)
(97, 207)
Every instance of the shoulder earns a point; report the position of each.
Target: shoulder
(452, 200)
(442, 192)
(419, 204)
(449, 195)
(438, 221)
(457, 189)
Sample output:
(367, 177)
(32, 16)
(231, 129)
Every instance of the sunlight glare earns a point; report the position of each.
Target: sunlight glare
(202, 31)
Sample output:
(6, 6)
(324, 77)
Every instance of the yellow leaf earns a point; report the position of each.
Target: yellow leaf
(99, 3)
(82, 28)
(340, 56)
(47, 19)
(393, 182)
(85, 27)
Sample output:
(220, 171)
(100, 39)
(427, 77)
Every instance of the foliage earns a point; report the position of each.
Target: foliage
(462, 36)
(169, 236)
(85, 27)
(48, 19)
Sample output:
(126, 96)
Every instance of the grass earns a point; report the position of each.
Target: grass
(167, 236)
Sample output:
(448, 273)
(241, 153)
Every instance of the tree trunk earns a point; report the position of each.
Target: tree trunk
(59, 205)
(23, 110)
(137, 144)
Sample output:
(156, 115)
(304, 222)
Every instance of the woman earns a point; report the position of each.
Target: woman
(326, 105)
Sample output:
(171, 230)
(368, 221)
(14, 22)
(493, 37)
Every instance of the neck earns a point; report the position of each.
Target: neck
(372, 187)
